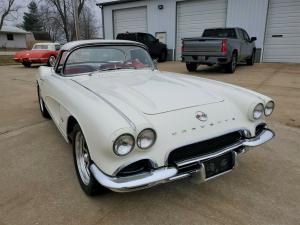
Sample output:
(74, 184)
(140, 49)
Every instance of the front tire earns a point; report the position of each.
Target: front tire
(82, 161)
(191, 67)
(231, 66)
(163, 56)
(250, 61)
(26, 64)
(43, 108)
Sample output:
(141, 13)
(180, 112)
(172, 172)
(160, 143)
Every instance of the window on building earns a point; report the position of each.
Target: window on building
(10, 37)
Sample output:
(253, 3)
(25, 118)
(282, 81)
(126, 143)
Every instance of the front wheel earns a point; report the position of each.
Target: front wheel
(26, 64)
(231, 66)
(82, 161)
(163, 56)
(43, 108)
(251, 60)
(191, 67)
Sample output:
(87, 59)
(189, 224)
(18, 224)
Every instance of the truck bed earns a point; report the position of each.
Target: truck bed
(202, 46)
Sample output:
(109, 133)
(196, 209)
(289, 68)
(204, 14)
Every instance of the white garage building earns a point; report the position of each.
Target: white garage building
(275, 23)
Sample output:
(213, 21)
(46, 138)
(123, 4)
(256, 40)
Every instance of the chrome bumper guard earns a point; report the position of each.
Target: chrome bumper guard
(166, 174)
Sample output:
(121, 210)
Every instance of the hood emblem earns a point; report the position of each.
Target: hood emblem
(201, 116)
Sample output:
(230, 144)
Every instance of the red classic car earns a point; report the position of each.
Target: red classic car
(40, 53)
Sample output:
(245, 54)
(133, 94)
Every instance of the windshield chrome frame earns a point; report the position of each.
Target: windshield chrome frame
(70, 51)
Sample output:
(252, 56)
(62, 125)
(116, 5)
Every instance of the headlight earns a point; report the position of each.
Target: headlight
(146, 138)
(269, 108)
(123, 144)
(258, 111)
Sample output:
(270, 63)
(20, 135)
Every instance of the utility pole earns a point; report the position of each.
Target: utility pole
(76, 19)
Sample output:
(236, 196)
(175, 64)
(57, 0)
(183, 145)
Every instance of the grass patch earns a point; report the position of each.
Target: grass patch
(7, 60)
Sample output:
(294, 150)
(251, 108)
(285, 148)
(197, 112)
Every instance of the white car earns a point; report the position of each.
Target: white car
(132, 126)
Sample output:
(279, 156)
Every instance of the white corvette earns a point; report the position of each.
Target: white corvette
(132, 126)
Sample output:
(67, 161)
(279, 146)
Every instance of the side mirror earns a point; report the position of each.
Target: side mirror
(253, 39)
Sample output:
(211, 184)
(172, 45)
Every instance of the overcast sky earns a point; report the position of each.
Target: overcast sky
(24, 3)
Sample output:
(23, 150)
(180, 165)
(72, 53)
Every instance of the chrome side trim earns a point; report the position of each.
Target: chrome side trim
(110, 104)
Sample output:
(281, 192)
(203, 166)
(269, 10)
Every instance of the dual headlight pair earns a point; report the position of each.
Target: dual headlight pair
(260, 109)
(125, 143)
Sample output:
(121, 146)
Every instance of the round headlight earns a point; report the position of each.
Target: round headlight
(258, 111)
(269, 108)
(146, 138)
(123, 144)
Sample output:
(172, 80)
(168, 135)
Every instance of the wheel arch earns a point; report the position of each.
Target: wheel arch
(235, 51)
(72, 121)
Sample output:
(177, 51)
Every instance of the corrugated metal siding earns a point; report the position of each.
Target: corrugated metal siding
(131, 20)
(282, 39)
(250, 15)
(194, 16)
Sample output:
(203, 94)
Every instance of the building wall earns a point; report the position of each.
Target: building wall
(250, 15)
(247, 14)
(18, 42)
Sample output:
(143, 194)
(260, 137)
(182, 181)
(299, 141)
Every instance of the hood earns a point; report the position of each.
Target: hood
(151, 92)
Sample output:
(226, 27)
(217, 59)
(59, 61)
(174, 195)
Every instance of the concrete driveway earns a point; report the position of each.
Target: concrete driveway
(39, 184)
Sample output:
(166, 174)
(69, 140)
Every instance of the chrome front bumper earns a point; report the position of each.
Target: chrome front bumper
(167, 174)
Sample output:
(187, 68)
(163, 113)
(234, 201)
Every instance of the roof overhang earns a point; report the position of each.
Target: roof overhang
(114, 2)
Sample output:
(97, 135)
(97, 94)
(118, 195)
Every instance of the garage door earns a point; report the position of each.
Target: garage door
(194, 16)
(282, 39)
(131, 20)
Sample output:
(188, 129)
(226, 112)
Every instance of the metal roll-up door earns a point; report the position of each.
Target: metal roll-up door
(130, 20)
(194, 16)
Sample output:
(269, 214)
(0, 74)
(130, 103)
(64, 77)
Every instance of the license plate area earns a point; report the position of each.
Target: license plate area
(218, 165)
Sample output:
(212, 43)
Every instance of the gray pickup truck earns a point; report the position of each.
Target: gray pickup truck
(223, 46)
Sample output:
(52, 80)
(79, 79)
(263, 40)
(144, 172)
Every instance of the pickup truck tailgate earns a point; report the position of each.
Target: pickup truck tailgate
(202, 46)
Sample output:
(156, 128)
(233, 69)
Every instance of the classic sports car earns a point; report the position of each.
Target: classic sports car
(40, 53)
(132, 126)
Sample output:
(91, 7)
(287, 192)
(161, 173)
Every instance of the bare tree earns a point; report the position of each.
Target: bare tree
(65, 12)
(7, 8)
(87, 24)
(51, 23)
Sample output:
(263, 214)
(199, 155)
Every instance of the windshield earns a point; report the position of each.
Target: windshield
(40, 47)
(104, 58)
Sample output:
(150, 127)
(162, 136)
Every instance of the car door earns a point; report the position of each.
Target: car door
(243, 45)
(247, 45)
(53, 88)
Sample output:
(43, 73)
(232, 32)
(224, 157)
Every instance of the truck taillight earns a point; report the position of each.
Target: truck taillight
(224, 46)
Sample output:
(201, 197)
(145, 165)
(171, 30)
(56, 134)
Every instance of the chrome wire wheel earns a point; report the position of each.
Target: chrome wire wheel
(82, 158)
(52, 60)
